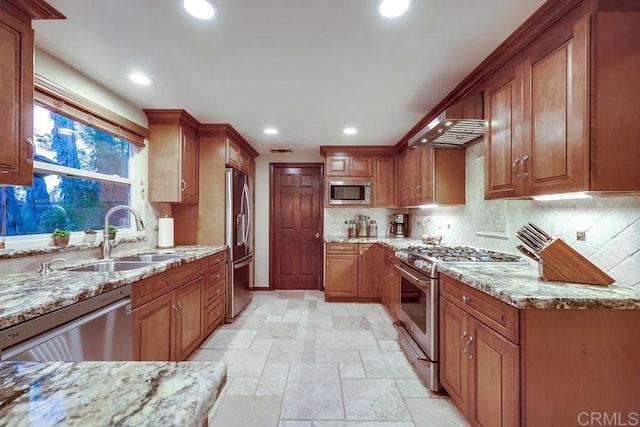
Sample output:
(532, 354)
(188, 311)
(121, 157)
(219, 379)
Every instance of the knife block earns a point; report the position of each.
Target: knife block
(560, 262)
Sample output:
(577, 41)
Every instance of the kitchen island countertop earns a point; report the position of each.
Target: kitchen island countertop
(109, 393)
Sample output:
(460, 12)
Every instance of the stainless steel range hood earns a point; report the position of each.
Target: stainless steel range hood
(455, 127)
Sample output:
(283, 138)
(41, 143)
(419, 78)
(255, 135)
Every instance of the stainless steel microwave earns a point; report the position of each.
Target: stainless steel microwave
(349, 193)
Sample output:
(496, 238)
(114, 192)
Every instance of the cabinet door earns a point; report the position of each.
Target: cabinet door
(361, 166)
(494, 396)
(403, 181)
(368, 271)
(16, 101)
(341, 276)
(425, 175)
(503, 136)
(337, 166)
(189, 180)
(189, 322)
(454, 340)
(383, 181)
(555, 138)
(413, 172)
(153, 325)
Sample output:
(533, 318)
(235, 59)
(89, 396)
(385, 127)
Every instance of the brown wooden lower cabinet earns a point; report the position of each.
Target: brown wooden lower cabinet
(389, 282)
(504, 366)
(351, 272)
(187, 305)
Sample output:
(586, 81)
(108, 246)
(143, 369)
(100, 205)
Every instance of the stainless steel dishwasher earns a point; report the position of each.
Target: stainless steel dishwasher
(99, 328)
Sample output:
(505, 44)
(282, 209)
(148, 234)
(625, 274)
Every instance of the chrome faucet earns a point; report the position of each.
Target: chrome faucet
(106, 243)
(45, 267)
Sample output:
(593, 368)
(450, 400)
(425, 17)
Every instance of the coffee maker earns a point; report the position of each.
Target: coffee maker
(399, 225)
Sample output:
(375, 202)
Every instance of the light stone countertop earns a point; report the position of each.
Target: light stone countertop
(28, 295)
(109, 393)
(520, 285)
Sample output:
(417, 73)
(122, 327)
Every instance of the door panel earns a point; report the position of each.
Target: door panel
(295, 224)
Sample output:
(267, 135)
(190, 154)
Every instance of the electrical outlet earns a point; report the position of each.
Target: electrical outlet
(581, 235)
(556, 227)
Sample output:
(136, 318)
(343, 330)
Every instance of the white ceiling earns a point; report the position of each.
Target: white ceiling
(308, 68)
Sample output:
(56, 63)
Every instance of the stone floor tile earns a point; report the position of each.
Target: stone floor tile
(206, 355)
(291, 315)
(245, 323)
(346, 340)
(317, 320)
(267, 309)
(363, 424)
(243, 411)
(291, 350)
(277, 330)
(245, 363)
(352, 370)
(262, 344)
(294, 423)
(313, 392)
(350, 323)
(273, 380)
(227, 339)
(386, 364)
(384, 331)
(373, 400)
(273, 318)
(241, 386)
(412, 388)
(435, 412)
(345, 356)
(390, 345)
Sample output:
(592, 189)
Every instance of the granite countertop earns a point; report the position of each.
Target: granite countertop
(28, 295)
(390, 242)
(520, 285)
(109, 393)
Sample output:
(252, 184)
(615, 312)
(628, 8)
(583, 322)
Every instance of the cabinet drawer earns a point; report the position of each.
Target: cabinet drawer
(342, 248)
(215, 274)
(390, 256)
(213, 290)
(152, 287)
(216, 259)
(499, 316)
(214, 315)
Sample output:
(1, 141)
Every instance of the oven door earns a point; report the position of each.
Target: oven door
(419, 309)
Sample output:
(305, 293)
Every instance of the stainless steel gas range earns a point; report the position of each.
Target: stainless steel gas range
(419, 300)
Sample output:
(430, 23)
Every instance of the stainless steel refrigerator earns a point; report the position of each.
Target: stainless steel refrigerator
(238, 231)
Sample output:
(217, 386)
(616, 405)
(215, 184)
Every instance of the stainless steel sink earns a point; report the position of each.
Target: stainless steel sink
(151, 257)
(109, 266)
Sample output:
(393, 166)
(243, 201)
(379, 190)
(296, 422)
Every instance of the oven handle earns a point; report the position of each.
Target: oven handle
(401, 334)
(415, 280)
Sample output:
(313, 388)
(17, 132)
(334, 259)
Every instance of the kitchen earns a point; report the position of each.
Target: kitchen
(610, 223)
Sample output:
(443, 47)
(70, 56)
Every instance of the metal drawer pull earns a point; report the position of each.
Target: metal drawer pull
(184, 185)
(464, 334)
(29, 160)
(465, 299)
(525, 173)
(515, 167)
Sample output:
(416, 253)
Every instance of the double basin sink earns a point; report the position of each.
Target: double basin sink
(126, 263)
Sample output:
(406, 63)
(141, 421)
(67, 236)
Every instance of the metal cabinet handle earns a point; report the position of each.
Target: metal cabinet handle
(466, 347)
(525, 173)
(177, 312)
(419, 190)
(183, 185)
(465, 299)
(515, 165)
(29, 160)
(464, 334)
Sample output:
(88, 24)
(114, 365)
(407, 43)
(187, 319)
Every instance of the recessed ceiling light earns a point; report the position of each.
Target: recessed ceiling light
(350, 131)
(139, 78)
(393, 8)
(201, 9)
(271, 131)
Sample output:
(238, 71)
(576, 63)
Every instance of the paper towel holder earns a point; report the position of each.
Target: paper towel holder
(165, 232)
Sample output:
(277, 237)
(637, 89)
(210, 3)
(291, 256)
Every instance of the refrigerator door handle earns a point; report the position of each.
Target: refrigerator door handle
(246, 201)
(242, 264)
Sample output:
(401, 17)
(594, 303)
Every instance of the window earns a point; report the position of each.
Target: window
(80, 172)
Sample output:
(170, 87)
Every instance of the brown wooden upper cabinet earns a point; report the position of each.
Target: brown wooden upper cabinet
(431, 175)
(173, 156)
(565, 118)
(344, 165)
(16, 88)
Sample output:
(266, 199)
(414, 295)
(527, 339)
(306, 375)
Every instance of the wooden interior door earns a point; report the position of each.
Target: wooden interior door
(295, 260)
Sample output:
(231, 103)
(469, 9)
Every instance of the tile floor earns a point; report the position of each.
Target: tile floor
(294, 360)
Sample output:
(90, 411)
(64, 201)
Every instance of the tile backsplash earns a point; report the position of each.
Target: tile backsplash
(612, 224)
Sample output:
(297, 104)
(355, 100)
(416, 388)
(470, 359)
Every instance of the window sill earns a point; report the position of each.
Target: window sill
(73, 246)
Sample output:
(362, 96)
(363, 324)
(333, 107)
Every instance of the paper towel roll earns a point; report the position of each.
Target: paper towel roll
(165, 232)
